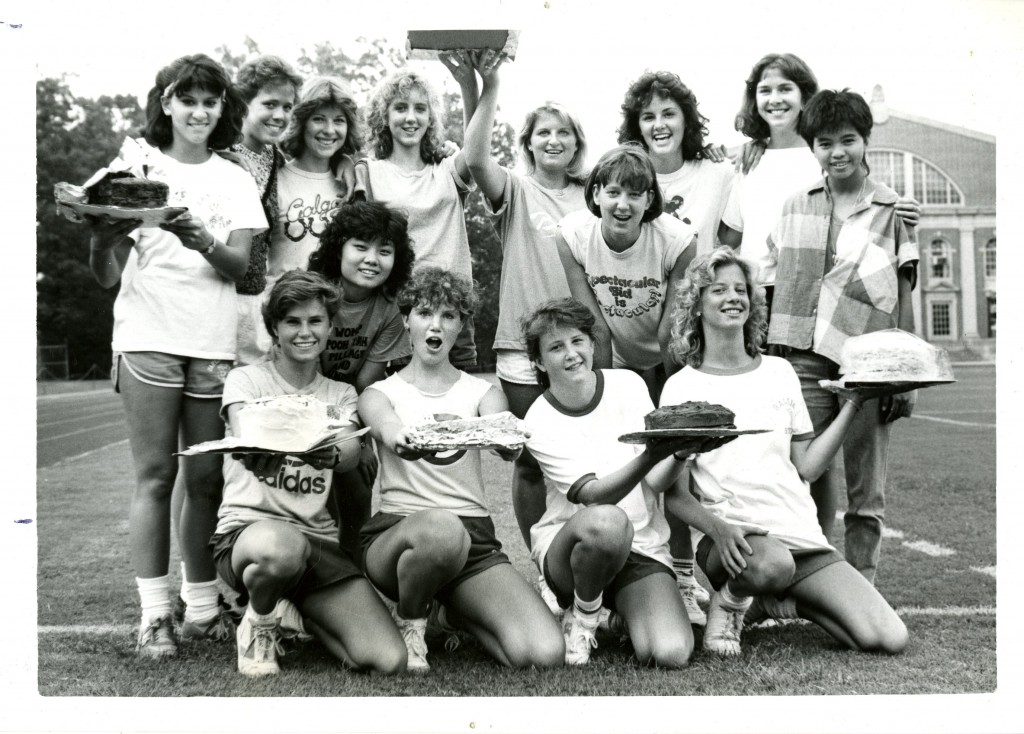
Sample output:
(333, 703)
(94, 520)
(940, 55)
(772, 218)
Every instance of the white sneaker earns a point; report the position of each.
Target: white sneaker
(549, 597)
(690, 595)
(579, 637)
(289, 621)
(722, 634)
(769, 611)
(414, 633)
(258, 648)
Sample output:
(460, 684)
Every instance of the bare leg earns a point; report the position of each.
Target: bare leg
(352, 622)
(658, 626)
(153, 414)
(509, 618)
(529, 495)
(204, 484)
(590, 550)
(769, 569)
(413, 559)
(825, 491)
(845, 604)
(354, 498)
(269, 557)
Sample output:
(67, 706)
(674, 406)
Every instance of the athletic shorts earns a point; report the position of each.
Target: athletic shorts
(199, 378)
(484, 547)
(807, 560)
(637, 567)
(513, 365)
(328, 564)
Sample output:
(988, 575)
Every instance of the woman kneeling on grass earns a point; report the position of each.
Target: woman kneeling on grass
(433, 537)
(603, 538)
(281, 545)
(757, 534)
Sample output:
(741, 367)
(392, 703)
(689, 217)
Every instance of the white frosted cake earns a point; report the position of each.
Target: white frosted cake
(893, 355)
(283, 423)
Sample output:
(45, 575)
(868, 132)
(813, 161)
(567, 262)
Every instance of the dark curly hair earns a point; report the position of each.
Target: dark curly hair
(367, 221)
(792, 67)
(265, 71)
(664, 84)
(184, 75)
(566, 312)
(294, 288)
(435, 286)
(630, 166)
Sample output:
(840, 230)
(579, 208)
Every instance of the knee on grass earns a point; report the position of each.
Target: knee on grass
(889, 638)
(534, 648)
(660, 653)
(388, 660)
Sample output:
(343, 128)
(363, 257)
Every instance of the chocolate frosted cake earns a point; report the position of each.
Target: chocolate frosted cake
(690, 415)
(129, 192)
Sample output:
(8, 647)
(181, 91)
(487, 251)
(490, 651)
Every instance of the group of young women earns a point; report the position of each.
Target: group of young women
(295, 265)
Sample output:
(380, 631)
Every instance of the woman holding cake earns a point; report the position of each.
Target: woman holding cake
(433, 538)
(170, 373)
(755, 529)
(603, 540)
(276, 539)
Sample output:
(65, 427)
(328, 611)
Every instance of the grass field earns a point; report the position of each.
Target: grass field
(938, 570)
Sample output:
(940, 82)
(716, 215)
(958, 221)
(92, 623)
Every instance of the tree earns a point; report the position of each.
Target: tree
(74, 138)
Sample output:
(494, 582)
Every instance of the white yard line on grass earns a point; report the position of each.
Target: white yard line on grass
(89, 429)
(927, 547)
(82, 455)
(953, 422)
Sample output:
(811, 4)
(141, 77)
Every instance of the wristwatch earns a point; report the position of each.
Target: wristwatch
(213, 245)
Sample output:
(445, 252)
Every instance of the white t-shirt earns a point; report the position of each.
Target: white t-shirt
(298, 494)
(432, 200)
(451, 480)
(171, 299)
(696, 194)
(751, 481)
(531, 272)
(755, 202)
(575, 446)
(631, 285)
(307, 202)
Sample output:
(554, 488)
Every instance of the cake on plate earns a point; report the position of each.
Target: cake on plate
(282, 423)
(893, 355)
(124, 190)
(694, 414)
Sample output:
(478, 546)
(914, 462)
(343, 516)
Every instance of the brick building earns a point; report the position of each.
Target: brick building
(952, 171)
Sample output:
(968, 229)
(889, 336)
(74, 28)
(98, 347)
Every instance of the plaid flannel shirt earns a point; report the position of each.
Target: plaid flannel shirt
(812, 309)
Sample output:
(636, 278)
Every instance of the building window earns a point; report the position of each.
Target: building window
(887, 167)
(907, 174)
(940, 319)
(989, 257)
(940, 256)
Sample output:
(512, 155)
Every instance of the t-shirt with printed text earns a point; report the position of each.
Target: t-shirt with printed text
(370, 330)
(696, 194)
(306, 203)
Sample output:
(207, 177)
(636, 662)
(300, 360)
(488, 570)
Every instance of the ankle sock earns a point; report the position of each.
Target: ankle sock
(200, 600)
(683, 568)
(260, 620)
(154, 597)
(588, 610)
(732, 601)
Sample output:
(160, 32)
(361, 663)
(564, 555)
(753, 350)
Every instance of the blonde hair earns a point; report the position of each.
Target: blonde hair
(574, 171)
(687, 346)
(399, 84)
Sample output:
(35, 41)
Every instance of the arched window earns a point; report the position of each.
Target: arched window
(988, 253)
(907, 174)
(940, 257)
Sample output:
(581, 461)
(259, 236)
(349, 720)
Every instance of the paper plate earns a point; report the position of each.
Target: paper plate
(149, 217)
(698, 432)
(235, 445)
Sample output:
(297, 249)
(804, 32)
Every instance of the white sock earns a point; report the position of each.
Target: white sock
(732, 601)
(154, 597)
(200, 600)
(260, 620)
(183, 580)
(684, 570)
(785, 609)
(587, 611)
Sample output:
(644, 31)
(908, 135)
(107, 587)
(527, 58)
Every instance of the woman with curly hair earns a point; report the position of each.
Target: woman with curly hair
(432, 545)
(409, 171)
(175, 322)
(321, 140)
(660, 113)
(756, 533)
(365, 250)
